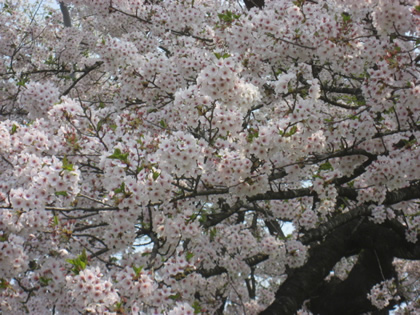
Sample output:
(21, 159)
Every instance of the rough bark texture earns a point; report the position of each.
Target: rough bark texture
(254, 3)
(376, 245)
(66, 15)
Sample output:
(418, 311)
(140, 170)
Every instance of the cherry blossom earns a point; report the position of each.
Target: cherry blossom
(209, 157)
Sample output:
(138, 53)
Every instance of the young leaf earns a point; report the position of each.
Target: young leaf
(175, 297)
(326, 167)
(137, 270)
(61, 193)
(79, 263)
(14, 129)
(118, 155)
(196, 306)
(67, 166)
(55, 220)
(121, 189)
(155, 175)
(189, 255)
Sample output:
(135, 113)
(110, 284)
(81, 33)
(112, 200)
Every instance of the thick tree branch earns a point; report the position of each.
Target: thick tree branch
(254, 3)
(345, 235)
(85, 71)
(372, 267)
(299, 286)
(66, 14)
(349, 239)
(393, 197)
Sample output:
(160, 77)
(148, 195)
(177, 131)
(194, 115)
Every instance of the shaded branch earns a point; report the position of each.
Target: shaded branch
(372, 267)
(254, 3)
(378, 244)
(300, 284)
(393, 197)
(86, 71)
(66, 14)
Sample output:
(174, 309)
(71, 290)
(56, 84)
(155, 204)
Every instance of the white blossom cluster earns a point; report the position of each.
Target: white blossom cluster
(178, 157)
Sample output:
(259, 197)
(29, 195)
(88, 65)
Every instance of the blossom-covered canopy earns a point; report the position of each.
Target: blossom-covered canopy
(209, 157)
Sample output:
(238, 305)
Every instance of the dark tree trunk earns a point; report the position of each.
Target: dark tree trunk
(350, 296)
(376, 245)
(254, 3)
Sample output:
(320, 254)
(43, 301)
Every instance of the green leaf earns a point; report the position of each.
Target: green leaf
(4, 284)
(139, 169)
(289, 133)
(156, 174)
(192, 218)
(56, 221)
(14, 129)
(83, 256)
(228, 16)
(252, 134)
(22, 82)
(317, 176)
(203, 218)
(137, 270)
(67, 166)
(100, 124)
(44, 281)
(4, 237)
(79, 263)
(196, 306)
(326, 167)
(118, 155)
(213, 233)
(61, 193)
(220, 56)
(121, 189)
(50, 60)
(175, 297)
(163, 124)
(189, 255)
(299, 3)
(140, 140)
(346, 17)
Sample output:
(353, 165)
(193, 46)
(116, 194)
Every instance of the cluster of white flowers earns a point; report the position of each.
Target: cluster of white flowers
(48, 179)
(221, 81)
(392, 14)
(308, 219)
(382, 293)
(117, 53)
(91, 292)
(182, 309)
(296, 253)
(4, 139)
(283, 81)
(13, 257)
(181, 154)
(175, 136)
(381, 213)
(134, 284)
(38, 98)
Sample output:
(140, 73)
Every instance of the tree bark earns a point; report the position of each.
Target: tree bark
(253, 3)
(66, 14)
(377, 245)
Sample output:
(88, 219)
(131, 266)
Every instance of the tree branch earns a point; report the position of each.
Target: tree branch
(66, 14)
